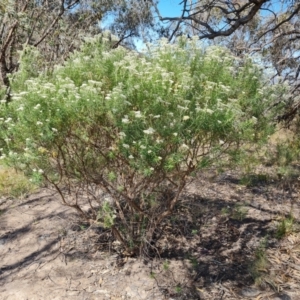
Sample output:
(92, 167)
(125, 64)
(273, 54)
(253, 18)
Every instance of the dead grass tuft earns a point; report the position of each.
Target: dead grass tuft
(13, 183)
(279, 267)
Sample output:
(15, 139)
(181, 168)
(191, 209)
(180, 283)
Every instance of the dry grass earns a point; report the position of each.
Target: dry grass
(13, 183)
(283, 271)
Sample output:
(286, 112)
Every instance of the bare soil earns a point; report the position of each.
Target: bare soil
(210, 250)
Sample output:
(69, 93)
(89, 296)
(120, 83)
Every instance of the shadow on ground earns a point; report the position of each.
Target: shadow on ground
(209, 249)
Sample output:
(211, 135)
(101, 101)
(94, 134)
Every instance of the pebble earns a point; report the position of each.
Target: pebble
(282, 297)
(250, 292)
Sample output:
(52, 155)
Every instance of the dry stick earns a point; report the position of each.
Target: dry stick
(127, 198)
(295, 12)
(115, 231)
(51, 26)
(76, 206)
(118, 235)
(107, 184)
(121, 213)
(94, 197)
(31, 17)
(3, 67)
(166, 213)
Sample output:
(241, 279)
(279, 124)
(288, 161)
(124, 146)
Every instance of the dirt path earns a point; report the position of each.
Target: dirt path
(46, 254)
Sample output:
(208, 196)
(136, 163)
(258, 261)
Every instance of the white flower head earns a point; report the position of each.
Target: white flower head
(125, 120)
(185, 118)
(150, 130)
(209, 111)
(138, 114)
(184, 146)
(122, 134)
(182, 107)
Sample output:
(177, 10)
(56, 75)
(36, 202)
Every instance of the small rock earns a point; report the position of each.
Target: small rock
(100, 281)
(101, 292)
(250, 292)
(282, 297)
(73, 293)
(43, 236)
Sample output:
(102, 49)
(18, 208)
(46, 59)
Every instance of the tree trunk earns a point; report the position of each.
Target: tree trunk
(4, 78)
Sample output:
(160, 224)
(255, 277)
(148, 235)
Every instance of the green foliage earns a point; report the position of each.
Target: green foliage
(2, 92)
(193, 260)
(166, 265)
(238, 212)
(106, 215)
(287, 152)
(261, 263)
(225, 211)
(194, 231)
(285, 156)
(135, 126)
(285, 227)
(254, 179)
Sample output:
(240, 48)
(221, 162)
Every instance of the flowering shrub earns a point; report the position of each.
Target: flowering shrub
(119, 134)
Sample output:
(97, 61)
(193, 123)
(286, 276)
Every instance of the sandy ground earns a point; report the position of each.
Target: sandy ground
(46, 252)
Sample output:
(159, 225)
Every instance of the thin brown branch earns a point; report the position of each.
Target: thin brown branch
(295, 12)
(50, 28)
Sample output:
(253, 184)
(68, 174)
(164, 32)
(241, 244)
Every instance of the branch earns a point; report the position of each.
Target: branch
(8, 40)
(63, 9)
(256, 6)
(178, 24)
(296, 11)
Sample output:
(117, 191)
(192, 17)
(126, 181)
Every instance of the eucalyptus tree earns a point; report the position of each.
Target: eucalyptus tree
(268, 29)
(57, 27)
